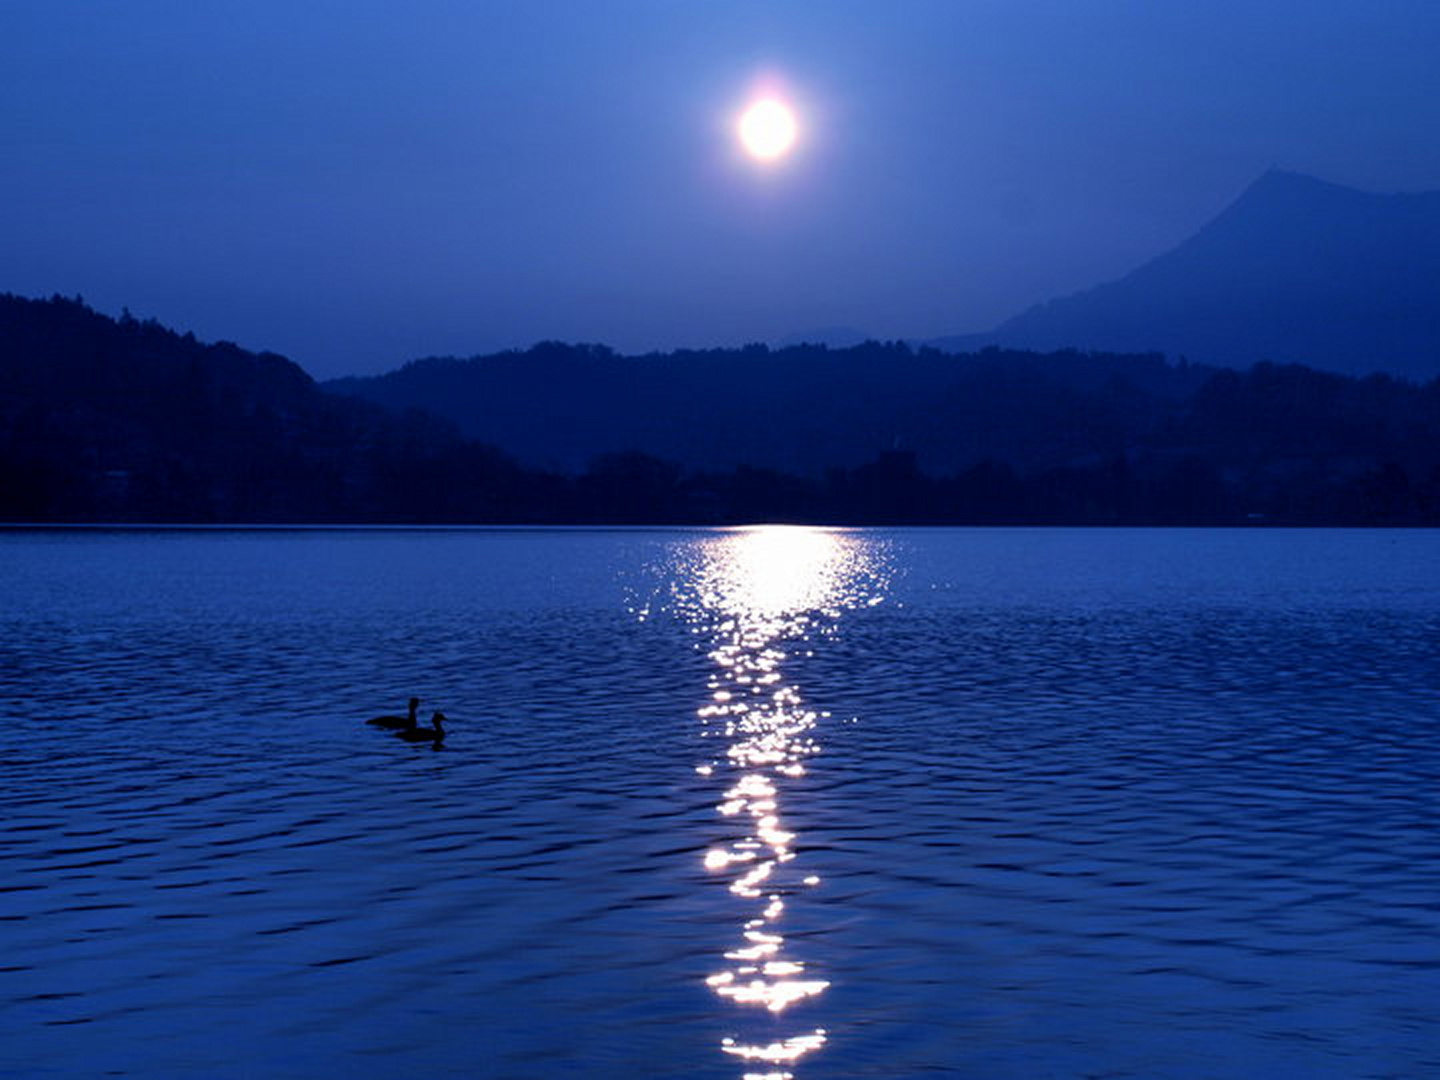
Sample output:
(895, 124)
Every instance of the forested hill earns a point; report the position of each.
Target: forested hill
(810, 410)
(121, 420)
(803, 409)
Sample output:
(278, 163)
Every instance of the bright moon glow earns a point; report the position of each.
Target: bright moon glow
(767, 129)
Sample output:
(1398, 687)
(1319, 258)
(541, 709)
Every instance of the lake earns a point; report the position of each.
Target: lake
(753, 803)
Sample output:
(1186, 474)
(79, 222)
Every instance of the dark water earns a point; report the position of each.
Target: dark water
(893, 804)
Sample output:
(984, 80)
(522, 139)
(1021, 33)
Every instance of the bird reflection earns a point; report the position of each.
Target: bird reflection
(757, 594)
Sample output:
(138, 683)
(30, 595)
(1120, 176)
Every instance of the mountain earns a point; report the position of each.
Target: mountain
(802, 409)
(124, 420)
(1295, 271)
(883, 433)
(105, 420)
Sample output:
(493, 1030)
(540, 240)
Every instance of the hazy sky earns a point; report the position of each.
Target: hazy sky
(355, 183)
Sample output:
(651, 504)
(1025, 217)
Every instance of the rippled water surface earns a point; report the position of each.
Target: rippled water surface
(754, 803)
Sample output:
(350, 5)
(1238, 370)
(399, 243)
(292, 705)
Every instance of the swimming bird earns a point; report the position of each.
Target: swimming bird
(426, 734)
(397, 723)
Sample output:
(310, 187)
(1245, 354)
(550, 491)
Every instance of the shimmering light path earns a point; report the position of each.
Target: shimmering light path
(1125, 803)
(755, 594)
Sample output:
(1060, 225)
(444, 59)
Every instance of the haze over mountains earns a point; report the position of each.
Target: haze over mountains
(127, 420)
(1296, 270)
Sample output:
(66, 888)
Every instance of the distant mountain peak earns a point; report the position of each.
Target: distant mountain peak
(1288, 181)
(1280, 194)
(1296, 269)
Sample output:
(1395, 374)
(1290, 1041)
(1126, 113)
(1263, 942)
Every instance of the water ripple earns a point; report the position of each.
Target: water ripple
(1083, 804)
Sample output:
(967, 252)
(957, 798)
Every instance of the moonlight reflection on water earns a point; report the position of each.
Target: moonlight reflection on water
(756, 594)
(1119, 802)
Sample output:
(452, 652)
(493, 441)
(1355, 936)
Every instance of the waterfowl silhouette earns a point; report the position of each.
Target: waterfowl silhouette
(397, 723)
(426, 734)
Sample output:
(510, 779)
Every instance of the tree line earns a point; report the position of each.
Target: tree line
(122, 420)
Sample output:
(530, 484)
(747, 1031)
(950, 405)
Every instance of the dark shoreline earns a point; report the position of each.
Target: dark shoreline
(676, 527)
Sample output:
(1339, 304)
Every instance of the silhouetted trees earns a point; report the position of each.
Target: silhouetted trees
(124, 420)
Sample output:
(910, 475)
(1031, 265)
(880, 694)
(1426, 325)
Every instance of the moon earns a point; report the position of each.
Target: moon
(768, 129)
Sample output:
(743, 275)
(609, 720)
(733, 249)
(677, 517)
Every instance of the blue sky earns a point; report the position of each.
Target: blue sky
(355, 183)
